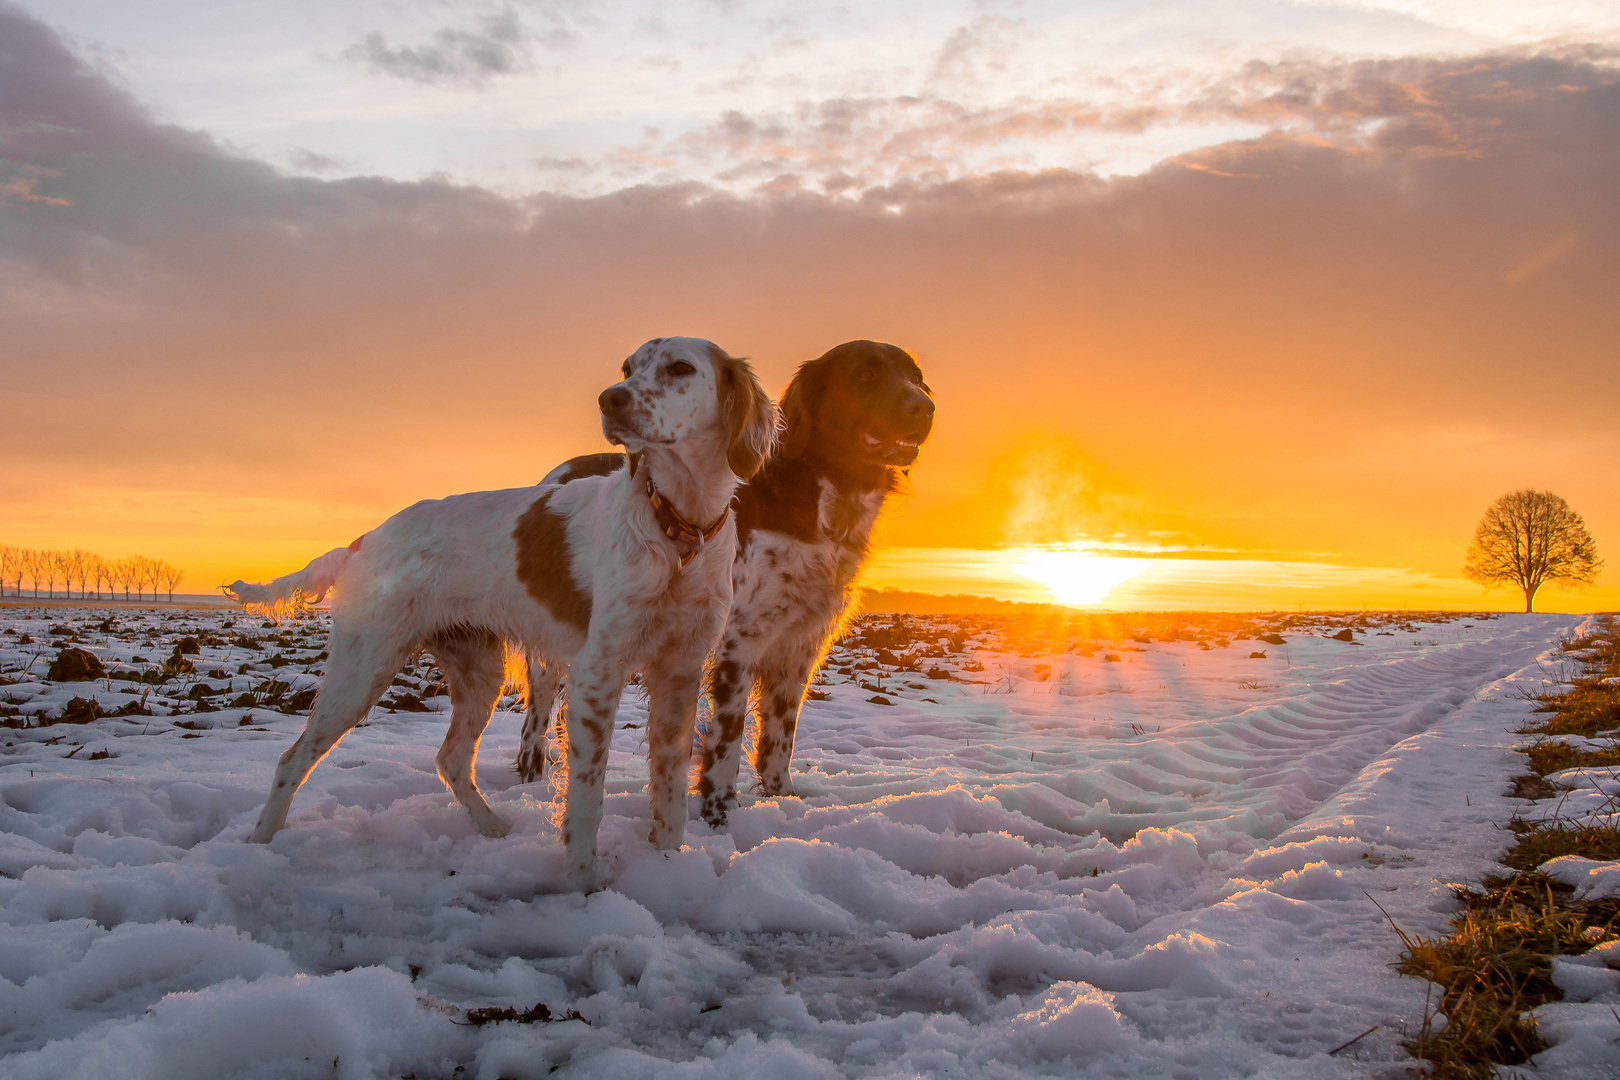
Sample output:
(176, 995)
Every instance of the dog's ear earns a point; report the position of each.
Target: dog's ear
(798, 420)
(748, 411)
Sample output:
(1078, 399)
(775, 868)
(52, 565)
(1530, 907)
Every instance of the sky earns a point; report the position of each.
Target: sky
(1269, 299)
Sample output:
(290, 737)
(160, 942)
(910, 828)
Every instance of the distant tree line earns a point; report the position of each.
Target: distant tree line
(85, 570)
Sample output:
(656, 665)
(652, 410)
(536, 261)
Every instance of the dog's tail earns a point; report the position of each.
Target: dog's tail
(291, 591)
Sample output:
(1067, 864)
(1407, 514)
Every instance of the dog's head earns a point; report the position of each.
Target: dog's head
(685, 391)
(860, 403)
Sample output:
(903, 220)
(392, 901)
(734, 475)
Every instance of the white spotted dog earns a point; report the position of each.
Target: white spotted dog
(611, 575)
(855, 418)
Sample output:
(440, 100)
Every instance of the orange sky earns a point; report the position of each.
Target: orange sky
(1332, 344)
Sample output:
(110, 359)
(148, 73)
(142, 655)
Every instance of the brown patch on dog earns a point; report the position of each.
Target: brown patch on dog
(545, 566)
(754, 420)
(586, 465)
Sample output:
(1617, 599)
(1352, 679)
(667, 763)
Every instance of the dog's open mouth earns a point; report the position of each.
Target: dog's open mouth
(893, 450)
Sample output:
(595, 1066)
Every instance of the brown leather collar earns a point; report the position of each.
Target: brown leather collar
(687, 537)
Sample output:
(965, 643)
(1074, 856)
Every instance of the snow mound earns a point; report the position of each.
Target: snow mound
(1073, 1019)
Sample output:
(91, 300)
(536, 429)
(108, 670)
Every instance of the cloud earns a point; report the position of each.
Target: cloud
(1236, 338)
(306, 160)
(500, 45)
(1390, 107)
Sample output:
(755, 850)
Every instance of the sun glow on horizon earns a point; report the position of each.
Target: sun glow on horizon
(1074, 576)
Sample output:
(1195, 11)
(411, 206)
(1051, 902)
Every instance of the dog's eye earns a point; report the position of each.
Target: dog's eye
(625, 370)
(866, 375)
(680, 367)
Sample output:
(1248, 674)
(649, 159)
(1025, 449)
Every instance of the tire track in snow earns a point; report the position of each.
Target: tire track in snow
(1219, 774)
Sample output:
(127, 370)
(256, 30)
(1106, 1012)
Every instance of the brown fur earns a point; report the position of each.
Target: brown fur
(753, 418)
(544, 566)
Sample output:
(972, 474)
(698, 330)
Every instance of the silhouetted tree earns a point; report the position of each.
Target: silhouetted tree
(30, 568)
(171, 576)
(62, 567)
(1528, 538)
(78, 561)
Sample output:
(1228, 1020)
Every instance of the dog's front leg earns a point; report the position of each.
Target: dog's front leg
(672, 693)
(781, 693)
(729, 685)
(596, 681)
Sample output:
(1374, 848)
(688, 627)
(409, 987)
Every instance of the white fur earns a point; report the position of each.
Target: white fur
(444, 575)
(309, 585)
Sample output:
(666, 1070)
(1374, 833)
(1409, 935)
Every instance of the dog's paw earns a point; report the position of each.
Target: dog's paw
(587, 879)
(493, 826)
(530, 768)
(777, 789)
(714, 813)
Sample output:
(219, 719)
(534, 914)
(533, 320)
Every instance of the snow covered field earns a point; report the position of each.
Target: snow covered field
(1033, 856)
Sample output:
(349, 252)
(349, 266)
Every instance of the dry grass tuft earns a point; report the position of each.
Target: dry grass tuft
(1495, 967)
(1547, 757)
(1539, 841)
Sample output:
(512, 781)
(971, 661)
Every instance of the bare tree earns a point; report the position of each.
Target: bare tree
(8, 563)
(78, 569)
(40, 570)
(30, 569)
(125, 569)
(149, 573)
(1528, 538)
(171, 576)
(103, 576)
(55, 565)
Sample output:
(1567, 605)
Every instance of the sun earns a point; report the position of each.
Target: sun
(1074, 577)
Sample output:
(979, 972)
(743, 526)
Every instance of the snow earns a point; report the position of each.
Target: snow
(1036, 862)
(1592, 879)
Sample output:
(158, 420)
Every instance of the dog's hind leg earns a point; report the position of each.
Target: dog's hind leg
(357, 673)
(543, 681)
(781, 693)
(473, 665)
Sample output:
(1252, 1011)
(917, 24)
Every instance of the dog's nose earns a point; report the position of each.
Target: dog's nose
(614, 400)
(920, 406)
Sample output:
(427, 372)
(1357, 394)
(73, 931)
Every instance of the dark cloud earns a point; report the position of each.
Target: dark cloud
(500, 45)
(310, 161)
(1336, 331)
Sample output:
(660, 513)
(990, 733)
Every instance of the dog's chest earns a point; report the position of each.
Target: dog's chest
(804, 581)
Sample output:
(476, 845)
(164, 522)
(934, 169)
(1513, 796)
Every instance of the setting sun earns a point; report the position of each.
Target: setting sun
(1074, 576)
